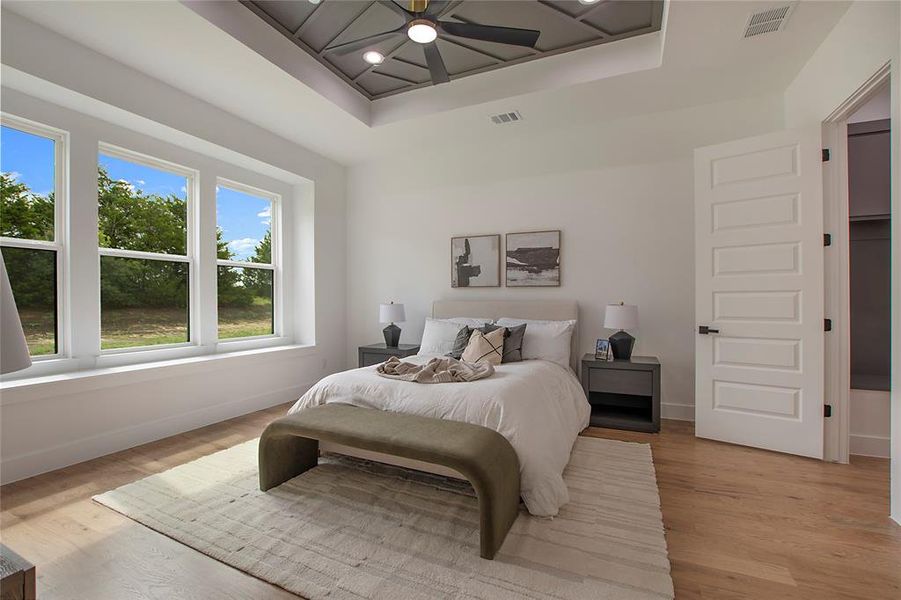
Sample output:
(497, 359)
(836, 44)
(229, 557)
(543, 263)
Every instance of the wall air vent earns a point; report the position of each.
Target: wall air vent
(768, 21)
(507, 117)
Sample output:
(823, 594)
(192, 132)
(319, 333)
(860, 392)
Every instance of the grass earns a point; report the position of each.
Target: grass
(246, 321)
(133, 327)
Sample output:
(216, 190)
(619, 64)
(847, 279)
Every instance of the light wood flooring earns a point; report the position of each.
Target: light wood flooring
(740, 523)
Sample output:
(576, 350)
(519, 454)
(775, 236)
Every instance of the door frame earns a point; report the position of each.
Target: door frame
(836, 263)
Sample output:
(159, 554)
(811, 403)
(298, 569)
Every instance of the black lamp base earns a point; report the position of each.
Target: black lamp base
(621, 343)
(392, 335)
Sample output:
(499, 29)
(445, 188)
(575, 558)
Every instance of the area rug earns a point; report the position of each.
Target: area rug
(344, 531)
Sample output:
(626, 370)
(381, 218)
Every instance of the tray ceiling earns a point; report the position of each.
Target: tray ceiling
(565, 25)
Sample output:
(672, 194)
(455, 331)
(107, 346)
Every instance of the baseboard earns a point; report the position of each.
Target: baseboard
(42, 461)
(678, 412)
(870, 445)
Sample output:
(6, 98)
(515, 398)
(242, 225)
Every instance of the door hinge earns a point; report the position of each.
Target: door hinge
(827, 410)
(827, 324)
(826, 154)
(827, 239)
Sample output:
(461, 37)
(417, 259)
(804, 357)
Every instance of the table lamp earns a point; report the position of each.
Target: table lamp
(621, 316)
(389, 313)
(13, 349)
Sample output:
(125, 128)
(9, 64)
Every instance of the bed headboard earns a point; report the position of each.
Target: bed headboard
(550, 310)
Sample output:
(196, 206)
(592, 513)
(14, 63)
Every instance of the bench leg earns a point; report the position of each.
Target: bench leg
(282, 457)
(497, 512)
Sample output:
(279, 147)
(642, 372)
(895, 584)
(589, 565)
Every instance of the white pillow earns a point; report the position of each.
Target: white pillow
(439, 336)
(545, 340)
(469, 322)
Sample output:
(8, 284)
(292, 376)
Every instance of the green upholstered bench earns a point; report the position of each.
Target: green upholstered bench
(290, 445)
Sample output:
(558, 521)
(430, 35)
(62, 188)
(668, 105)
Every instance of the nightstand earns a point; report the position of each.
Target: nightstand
(624, 394)
(374, 354)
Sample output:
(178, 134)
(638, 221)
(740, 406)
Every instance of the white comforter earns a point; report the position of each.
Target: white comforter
(537, 405)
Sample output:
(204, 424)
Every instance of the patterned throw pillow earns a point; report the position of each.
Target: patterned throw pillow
(512, 341)
(485, 347)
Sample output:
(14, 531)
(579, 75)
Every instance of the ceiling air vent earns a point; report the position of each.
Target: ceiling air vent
(768, 21)
(507, 117)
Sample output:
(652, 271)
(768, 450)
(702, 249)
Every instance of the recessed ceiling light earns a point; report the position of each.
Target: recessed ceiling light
(314, 1)
(580, 1)
(422, 31)
(373, 57)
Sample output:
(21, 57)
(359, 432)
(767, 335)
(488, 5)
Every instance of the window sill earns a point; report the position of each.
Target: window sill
(71, 382)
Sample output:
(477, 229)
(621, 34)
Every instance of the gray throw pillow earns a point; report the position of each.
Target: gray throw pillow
(460, 342)
(512, 341)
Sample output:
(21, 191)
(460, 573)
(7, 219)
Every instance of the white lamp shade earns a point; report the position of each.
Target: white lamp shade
(13, 349)
(621, 316)
(391, 313)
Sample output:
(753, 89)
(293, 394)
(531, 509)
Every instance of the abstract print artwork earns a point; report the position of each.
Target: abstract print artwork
(533, 259)
(476, 261)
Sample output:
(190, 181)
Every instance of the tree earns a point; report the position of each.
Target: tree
(259, 281)
(128, 219)
(26, 215)
(231, 288)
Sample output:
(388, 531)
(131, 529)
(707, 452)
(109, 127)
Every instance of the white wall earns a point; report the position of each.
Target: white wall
(62, 420)
(876, 108)
(621, 192)
(865, 39)
(870, 425)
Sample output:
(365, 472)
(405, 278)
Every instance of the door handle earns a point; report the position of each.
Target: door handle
(704, 330)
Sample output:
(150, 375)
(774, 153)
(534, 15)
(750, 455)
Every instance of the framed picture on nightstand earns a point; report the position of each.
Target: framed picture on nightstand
(602, 350)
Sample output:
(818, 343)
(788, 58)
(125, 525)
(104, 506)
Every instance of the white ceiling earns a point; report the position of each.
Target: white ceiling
(704, 59)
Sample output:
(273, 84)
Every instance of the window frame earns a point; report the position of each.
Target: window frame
(192, 194)
(60, 226)
(274, 265)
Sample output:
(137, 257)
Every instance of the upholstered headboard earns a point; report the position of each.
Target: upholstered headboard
(549, 310)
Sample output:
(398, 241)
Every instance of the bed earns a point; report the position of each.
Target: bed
(537, 405)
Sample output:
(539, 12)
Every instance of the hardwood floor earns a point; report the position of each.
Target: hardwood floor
(741, 523)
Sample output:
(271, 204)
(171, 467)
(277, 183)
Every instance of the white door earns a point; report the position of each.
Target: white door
(759, 289)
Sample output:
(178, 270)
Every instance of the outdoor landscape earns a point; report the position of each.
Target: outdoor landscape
(143, 302)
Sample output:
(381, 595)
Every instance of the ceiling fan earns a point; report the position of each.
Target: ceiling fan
(422, 26)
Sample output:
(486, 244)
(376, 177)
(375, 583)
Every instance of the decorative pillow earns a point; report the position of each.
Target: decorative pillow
(545, 340)
(461, 342)
(485, 347)
(512, 341)
(439, 336)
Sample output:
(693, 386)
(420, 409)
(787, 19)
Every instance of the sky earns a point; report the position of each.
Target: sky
(29, 158)
(243, 218)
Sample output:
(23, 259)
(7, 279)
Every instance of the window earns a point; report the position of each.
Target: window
(246, 261)
(134, 278)
(32, 188)
(145, 237)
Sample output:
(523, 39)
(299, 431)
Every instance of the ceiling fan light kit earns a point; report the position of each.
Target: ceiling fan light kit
(422, 26)
(422, 31)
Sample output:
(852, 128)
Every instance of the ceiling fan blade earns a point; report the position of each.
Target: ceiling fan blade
(436, 63)
(491, 33)
(352, 46)
(394, 6)
(436, 7)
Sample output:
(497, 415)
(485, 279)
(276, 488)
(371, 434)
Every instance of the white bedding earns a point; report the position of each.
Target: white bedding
(537, 405)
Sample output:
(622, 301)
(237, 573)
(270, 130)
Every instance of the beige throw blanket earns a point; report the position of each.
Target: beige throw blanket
(437, 370)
